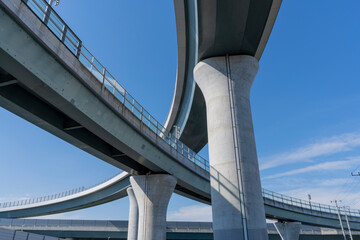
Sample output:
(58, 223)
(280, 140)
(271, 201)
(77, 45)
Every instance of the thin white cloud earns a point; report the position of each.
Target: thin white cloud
(332, 182)
(336, 144)
(334, 165)
(325, 195)
(191, 213)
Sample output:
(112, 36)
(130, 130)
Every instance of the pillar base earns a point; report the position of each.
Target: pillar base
(153, 193)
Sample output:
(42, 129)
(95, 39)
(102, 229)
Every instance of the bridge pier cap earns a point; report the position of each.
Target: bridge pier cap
(153, 194)
(237, 203)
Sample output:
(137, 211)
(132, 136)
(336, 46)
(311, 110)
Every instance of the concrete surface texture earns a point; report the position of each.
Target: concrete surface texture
(133, 215)
(153, 193)
(288, 230)
(7, 234)
(237, 203)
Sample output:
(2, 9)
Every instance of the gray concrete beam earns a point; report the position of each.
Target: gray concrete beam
(153, 193)
(237, 203)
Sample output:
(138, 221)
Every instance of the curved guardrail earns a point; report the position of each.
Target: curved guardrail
(277, 198)
(308, 205)
(50, 197)
(63, 32)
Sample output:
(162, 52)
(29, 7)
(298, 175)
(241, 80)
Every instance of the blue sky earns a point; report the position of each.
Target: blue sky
(305, 103)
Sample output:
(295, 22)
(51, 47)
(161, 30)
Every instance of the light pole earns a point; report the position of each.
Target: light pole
(309, 196)
(338, 211)
(347, 221)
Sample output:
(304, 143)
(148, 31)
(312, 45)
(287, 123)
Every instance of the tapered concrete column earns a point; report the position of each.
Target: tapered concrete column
(133, 215)
(288, 230)
(153, 193)
(236, 195)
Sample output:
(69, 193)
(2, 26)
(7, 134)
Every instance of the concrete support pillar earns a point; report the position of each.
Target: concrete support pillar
(288, 230)
(133, 215)
(153, 193)
(236, 194)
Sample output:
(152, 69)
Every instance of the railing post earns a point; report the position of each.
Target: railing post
(78, 49)
(47, 13)
(63, 33)
(103, 79)
(92, 63)
(132, 105)
(141, 114)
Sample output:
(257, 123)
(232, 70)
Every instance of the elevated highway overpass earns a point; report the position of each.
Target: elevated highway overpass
(68, 93)
(277, 206)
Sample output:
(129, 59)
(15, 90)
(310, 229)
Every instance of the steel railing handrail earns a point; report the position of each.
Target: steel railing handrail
(285, 200)
(52, 20)
(50, 197)
(277, 199)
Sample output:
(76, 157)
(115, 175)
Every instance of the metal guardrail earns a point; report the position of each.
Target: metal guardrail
(277, 198)
(308, 205)
(50, 197)
(63, 32)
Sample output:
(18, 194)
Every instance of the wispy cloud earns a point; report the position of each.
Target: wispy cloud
(191, 213)
(334, 165)
(332, 182)
(335, 144)
(325, 195)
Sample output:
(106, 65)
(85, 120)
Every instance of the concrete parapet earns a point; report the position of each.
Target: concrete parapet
(153, 193)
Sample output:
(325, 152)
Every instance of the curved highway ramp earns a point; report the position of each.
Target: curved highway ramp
(277, 206)
(97, 229)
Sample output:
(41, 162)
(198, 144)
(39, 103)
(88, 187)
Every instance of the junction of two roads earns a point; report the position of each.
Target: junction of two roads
(68, 93)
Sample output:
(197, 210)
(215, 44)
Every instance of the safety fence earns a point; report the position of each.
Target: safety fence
(278, 198)
(28, 201)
